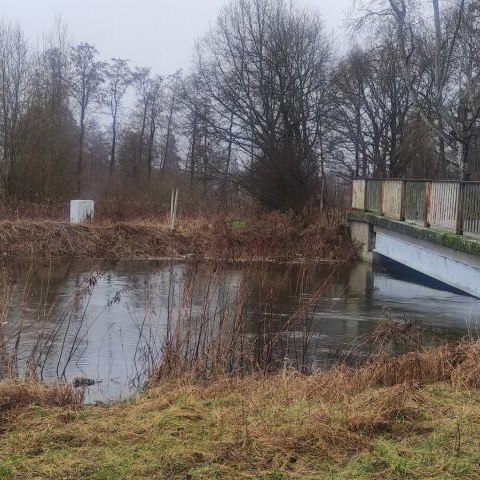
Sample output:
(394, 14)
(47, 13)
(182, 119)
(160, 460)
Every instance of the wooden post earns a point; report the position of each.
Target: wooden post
(428, 188)
(403, 200)
(173, 207)
(365, 196)
(381, 196)
(459, 213)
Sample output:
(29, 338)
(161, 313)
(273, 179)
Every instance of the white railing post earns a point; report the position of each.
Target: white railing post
(359, 194)
(173, 207)
(428, 191)
(459, 213)
(403, 200)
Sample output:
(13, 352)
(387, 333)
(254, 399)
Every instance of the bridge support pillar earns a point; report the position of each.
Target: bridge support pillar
(362, 234)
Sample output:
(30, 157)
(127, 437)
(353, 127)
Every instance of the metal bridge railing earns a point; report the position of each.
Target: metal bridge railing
(449, 205)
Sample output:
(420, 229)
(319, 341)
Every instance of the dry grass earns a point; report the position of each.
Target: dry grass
(416, 416)
(468, 376)
(15, 394)
(270, 236)
(20, 210)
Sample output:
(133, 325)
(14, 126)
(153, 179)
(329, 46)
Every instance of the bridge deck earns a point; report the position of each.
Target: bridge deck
(440, 254)
(435, 235)
(430, 226)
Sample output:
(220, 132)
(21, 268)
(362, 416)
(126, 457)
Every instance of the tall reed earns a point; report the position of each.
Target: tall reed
(240, 330)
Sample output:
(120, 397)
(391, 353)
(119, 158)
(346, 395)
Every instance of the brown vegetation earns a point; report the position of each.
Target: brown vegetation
(215, 408)
(16, 394)
(270, 236)
(372, 422)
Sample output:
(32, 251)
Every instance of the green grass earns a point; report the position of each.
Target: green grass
(239, 224)
(258, 429)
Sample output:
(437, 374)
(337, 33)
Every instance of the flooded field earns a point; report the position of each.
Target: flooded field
(109, 322)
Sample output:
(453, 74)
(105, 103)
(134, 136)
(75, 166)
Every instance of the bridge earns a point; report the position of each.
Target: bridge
(432, 227)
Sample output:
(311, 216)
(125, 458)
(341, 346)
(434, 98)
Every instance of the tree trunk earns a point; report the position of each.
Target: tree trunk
(142, 133)
(194, 147)
(167, 140)
(114, 145)
(150, 147)
(80, 152)
(439, 84)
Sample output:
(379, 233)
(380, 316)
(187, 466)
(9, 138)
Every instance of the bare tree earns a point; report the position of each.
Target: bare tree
(453, 112)
(119, 78)
(155, 105)
(87, 78)
(48, 126)
(265, 64)
(373, 105)
(14, 84)
(192, 104)
(141, 81)
(172, 107)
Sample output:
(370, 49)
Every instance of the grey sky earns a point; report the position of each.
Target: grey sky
(155, 33)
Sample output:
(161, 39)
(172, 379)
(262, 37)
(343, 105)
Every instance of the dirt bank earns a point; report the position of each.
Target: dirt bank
(270, 237)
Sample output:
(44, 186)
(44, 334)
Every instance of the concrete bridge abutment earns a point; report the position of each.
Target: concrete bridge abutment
(363, 236)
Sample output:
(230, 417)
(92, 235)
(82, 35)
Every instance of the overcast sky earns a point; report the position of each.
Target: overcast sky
(155, 33)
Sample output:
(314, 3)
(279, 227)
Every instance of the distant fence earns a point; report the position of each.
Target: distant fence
(449, 205)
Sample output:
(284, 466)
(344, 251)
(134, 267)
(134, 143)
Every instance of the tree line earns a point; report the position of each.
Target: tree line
(270, 108)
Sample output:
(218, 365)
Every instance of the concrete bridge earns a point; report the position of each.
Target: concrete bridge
(432, 227)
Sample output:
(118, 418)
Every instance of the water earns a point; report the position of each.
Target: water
(108, 321)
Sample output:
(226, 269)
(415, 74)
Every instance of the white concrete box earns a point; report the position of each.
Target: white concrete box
(81, 211)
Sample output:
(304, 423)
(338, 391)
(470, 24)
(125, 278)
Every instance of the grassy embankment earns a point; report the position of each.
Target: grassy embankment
(256, 237)
(417, 416)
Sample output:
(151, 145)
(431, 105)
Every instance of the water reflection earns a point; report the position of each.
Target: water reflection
(108, 322)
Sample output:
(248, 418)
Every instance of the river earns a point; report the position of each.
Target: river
(85, 318)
